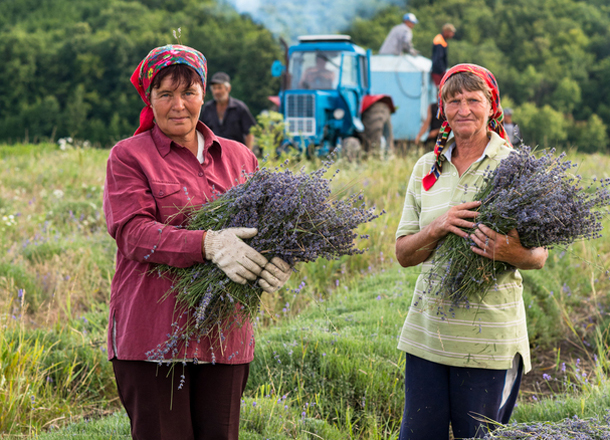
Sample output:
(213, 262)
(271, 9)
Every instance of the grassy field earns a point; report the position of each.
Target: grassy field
(326, 363)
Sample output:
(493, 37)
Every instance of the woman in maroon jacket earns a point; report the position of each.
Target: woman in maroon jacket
(174, 161)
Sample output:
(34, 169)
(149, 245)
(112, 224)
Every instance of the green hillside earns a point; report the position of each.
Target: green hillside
(551, 59)
(66, 63)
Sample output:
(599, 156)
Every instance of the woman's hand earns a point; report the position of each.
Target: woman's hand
(457, 217)
(274, 275)
(413, 249)
(241, 262)
(235, 258)
(507, 248)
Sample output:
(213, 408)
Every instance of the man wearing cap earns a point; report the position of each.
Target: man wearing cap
(439, 52)
(400, 38)
(226, 116)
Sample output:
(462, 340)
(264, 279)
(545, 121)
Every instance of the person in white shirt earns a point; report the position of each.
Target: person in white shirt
(399, 40)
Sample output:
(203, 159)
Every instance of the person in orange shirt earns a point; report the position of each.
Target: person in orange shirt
(439, 52)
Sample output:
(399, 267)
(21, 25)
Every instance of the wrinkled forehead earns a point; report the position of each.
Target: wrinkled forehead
(464, 82)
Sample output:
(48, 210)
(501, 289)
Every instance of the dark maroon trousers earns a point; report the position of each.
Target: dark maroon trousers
(186, 402)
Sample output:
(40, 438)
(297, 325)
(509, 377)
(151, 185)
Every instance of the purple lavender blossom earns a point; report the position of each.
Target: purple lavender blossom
(573, 428)
(298, 219)
(541, 199)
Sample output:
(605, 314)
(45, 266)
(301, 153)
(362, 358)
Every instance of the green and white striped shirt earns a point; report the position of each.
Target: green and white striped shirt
(489, 333)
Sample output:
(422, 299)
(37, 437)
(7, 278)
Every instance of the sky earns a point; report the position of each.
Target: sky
(292, 18)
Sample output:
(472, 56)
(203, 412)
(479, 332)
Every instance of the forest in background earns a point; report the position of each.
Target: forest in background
(66, 63)
(551, 59)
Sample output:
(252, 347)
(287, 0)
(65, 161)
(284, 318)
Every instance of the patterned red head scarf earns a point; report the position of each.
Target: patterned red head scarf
(156, 60)
(494, 124)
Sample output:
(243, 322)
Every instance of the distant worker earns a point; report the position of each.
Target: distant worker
(399, 40)
(318, 77)
(439, 52)
(226, 116)
(512, 130)
(432, 124)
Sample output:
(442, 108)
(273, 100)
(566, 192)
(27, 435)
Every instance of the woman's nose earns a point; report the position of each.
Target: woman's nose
(178, 102)
(464, 107)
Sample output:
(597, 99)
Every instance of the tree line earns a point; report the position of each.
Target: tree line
(66, 63)
(551, 59)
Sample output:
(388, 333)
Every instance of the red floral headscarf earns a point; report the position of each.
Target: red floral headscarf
(494, 124)
(156, 60)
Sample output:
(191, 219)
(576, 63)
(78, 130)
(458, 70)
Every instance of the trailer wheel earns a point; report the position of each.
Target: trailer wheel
(378, 137)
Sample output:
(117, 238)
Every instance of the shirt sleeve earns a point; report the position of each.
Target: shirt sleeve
(131, 217)
(407, 43)
(409, 222)
(247, 120)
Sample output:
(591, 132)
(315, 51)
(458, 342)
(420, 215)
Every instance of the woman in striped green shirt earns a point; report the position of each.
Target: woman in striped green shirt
(464, 364)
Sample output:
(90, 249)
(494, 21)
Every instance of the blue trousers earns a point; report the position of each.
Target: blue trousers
(436, 395)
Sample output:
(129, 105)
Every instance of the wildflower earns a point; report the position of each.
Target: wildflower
(298, 219)
(541, 199)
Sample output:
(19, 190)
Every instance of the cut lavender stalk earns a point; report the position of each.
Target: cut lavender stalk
(541, 199)
(298, 220)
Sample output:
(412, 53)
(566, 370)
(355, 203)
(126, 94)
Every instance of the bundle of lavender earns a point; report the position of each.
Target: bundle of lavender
(541, 199)
(298, 220)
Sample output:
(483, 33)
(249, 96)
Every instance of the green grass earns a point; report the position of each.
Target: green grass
(335, 340)
(264, 417)
(338, 359)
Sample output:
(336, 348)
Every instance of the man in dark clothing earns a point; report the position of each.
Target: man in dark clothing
(439, 52)
(226, 116)
(431, 125)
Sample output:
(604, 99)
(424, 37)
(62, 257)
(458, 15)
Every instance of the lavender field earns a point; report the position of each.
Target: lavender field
(326, 361)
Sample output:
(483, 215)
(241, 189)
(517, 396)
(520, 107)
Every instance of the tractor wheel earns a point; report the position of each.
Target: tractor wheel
(378, 137)
(351, 148)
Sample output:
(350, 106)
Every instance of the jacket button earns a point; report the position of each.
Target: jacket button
(200, 173)
(161, 193)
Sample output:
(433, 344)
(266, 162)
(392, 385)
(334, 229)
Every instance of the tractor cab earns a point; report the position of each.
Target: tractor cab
(324, 85)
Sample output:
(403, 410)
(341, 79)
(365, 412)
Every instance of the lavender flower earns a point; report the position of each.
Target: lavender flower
(298, 219)
(572, 428)
(541, 199)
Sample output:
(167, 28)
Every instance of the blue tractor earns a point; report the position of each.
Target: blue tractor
(326, 98)
(335, 94)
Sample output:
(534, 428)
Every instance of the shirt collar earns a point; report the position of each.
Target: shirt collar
(491, 149)
(164, 144)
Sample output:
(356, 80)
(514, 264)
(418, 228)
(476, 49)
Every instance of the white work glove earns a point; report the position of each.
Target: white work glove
(234, 257)
(275, 275)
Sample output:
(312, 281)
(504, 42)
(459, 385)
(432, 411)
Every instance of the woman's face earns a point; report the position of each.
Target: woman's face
(176, 108)
(468, 113)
